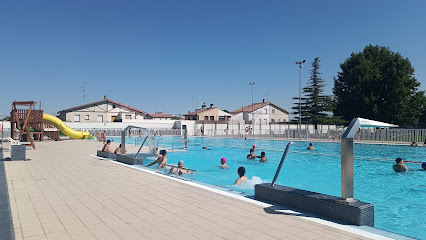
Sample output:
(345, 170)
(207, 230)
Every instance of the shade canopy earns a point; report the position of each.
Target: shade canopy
(357, 123)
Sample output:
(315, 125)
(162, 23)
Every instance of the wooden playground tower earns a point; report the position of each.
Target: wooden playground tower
(24, 117)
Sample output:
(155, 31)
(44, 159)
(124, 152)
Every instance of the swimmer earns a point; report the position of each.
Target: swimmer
(424, 166)
(413, 144)
(262, 157)
(251, 155)
(424, 143)
(310, 147)
(161, 160)
(254, 147)
(242, 178)
(223, 163)
(180, 169)
(107, 147)
(399, 166)
(118, 150)
(206, 148)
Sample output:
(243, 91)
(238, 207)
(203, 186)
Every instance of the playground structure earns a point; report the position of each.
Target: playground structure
(29, 124)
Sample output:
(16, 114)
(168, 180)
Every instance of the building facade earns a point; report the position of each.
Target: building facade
(102, 111)
(210, 114)
(262, 113)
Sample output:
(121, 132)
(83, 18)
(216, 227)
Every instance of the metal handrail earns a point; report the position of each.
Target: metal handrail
(161, 142)
(281, 163)
(141, 146)
(168, 165)
(180, 141)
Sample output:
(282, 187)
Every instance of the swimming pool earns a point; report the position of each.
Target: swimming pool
(399, 198)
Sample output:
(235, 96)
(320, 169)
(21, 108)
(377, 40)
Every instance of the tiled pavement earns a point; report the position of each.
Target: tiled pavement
(63, 193)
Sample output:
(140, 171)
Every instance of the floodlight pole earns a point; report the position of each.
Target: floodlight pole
(252, 108)
(300, 95)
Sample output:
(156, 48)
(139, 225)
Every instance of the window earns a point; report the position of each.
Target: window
(206, 117)
(76, 118)
(221, 118)
(266, 111)
(87, 117)
(100, 118)
(273, 111)
(272, 120)
(128, 117)
(211, 118)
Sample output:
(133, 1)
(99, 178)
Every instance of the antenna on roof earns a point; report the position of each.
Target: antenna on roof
(267, 97)
(84, 94)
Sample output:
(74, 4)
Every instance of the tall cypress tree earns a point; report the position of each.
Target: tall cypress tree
(314, 104)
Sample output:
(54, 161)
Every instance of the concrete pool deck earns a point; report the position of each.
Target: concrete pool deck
(63, 193)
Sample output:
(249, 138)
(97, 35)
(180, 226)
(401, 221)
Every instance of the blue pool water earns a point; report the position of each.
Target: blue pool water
(399, 198)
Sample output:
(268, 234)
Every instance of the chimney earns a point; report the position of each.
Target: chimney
(211, 105)
(105, 98)
(203, 106)
(263, 101)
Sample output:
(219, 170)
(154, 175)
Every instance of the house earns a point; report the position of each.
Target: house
(208, 114)
(105, 110)
(264, 113)
(159, 116)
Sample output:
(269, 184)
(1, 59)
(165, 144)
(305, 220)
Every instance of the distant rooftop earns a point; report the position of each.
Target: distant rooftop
(160, 115)
(105, 100)
(255, 106)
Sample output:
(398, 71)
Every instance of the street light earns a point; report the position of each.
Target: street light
(300, 94)
(252, 112)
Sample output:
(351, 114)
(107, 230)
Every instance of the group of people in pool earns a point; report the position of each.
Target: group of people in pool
(252, 155)
(401, 167)
(107, 148)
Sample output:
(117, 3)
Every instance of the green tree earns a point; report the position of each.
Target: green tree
(316, 107)
(378, 84)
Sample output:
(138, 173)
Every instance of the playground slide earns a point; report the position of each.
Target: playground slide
(61, 126)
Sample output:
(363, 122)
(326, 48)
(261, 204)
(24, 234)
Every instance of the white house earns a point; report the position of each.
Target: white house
(102, 111)
(263, 113)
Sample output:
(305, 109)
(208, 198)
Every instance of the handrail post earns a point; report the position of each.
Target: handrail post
(281, 163)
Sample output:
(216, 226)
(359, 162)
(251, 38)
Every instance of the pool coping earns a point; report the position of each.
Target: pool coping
(369, 232)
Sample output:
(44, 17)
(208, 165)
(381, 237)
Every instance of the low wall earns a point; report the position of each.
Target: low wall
(355, 212)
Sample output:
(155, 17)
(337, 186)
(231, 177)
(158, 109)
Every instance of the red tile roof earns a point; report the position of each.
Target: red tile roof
(160, 115)
(198, 111)
(102, 102)
(255, 106)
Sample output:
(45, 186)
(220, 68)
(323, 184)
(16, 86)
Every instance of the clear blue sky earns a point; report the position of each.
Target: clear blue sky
(169, 55)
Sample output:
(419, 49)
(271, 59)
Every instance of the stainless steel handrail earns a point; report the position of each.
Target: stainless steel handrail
(180, 142)
(160, 139)
(281, 163)
(141, 146)
(168, 165)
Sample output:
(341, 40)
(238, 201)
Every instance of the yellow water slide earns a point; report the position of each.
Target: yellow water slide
(61, 126)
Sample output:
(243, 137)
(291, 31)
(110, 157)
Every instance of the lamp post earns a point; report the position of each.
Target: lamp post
(252, 107)
(300, 94)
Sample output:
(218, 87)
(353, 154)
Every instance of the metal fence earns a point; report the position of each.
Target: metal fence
(365, 134)
(116, 132)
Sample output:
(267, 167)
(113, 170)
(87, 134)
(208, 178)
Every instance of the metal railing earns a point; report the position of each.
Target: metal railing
(177, 172)
(116, 132)
(281, 162)
(180, 141)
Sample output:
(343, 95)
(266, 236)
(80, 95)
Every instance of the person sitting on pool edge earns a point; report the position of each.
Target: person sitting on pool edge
(161, 160)
(118, 150)
(107, 147)
(413, 144)
(262, 157)
(251, 155)
(223, 163)
(180, 169)
(242, 178)
(399, 166)
(310, 147)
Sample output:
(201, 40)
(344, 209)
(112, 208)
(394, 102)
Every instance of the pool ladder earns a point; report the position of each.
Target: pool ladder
(281, 162)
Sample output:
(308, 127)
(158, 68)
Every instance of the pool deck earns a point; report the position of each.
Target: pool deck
(64, 193)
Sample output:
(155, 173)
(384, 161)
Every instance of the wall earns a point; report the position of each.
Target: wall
(105, 110)
(278, 115)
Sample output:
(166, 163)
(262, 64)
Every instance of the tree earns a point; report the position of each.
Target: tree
(378, 84)
(315, 106)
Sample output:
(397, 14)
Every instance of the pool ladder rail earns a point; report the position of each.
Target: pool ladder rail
(282, 161)
(168, 165)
